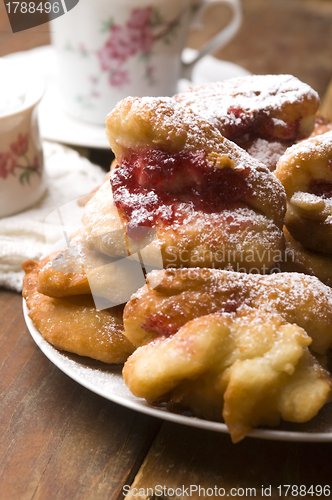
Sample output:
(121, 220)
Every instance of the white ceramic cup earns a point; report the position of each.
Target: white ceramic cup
(22, 180)
(109, 49)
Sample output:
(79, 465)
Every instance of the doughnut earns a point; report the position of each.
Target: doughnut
(62, 273)
(148, 127)
(298, 259)
(208, 202)
(265, 106)
(175, 296)
(305, 171)
(78, 270)
(249, 367)
(73, 324)
(264, 114)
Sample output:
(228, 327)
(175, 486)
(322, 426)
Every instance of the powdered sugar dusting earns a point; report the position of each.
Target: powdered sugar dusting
(267, 152)
(298, 298)
(161, 123)
(319, 146)
(231, 105)
(307, 167)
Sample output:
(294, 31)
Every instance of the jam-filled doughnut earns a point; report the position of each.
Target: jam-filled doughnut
(176, 296)
(264, 114)
(230, 346)
(266, 106)
(208, 201)
(305, 171)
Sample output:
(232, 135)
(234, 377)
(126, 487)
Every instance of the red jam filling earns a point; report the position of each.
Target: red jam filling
(242, 124)
(160, 326)
(164, 325)
(321, 188)
(259, 124)
(151, 186)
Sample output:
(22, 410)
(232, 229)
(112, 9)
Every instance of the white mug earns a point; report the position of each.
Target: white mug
(110, 49)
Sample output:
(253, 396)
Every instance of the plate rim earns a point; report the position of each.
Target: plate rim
(141, 406)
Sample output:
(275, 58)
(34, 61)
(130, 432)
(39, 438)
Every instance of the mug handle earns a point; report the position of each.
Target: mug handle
(218, 40)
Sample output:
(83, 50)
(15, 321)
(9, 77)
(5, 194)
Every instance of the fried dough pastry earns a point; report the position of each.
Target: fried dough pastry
(265, 106)
(73, 324)
(264, 114)
(202, 194)
(176, 296)
(298, 259)
(77, 270)
(250, 367)
(252, 240)
(306, 173)
(70, 280)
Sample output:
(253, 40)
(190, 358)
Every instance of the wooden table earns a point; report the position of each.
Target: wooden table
(61, 441)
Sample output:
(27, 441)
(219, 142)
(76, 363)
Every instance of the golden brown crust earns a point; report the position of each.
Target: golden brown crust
(305, 171)
(265, 106)
(299, 260)
(236, 238)
(230, 345)
(73, 324)
(198, 235)
(251, 368)
(160, 123)
(264, 114)
(61, 283)
(179, 295)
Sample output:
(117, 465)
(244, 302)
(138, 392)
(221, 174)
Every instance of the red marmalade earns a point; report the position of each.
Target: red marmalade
(153, 186)
(161, 324)
(258, 124)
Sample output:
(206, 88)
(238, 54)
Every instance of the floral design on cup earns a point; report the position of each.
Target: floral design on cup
(17, 162)
(136, 38)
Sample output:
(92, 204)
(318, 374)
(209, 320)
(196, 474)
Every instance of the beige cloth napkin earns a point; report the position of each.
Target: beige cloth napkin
(69, 176)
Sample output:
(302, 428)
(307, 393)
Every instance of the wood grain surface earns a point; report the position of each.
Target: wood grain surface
(60, 441)
(57, 439)
(187, 458)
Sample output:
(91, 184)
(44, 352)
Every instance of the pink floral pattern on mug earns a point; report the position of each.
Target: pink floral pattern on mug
(16, 161)
(136, 38)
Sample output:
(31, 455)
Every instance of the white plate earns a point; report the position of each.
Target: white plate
(107, 381)
(55, 125)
